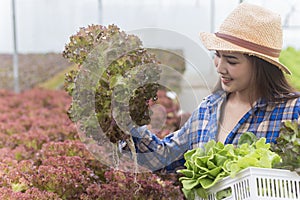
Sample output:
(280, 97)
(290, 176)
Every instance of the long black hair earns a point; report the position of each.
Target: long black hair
(269, 82)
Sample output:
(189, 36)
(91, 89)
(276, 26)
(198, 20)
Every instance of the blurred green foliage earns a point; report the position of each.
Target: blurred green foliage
(291, 58)
(57, 81)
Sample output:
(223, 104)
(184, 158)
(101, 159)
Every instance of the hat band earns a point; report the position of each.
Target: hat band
(249, 45)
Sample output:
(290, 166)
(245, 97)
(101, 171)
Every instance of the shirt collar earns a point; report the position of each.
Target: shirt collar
(260, 103)
(217, 97)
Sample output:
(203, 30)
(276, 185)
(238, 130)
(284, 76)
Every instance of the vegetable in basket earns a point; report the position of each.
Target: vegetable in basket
(206, 166)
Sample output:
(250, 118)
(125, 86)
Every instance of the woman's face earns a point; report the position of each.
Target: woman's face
(235, 72)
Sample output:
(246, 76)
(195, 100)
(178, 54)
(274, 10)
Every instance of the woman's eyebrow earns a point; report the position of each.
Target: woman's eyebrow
(229, 56)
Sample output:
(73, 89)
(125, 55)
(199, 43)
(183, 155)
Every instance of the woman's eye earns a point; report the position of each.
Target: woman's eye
(231, 63)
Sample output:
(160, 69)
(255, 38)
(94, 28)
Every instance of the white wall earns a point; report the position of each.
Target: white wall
(45, 25)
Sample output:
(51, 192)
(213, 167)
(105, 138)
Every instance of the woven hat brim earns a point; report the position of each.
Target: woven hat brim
(212, 42)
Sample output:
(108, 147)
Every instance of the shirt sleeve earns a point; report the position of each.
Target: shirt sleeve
(297, 110)
(155, 153)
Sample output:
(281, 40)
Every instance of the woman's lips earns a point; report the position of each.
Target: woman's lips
(226, 80)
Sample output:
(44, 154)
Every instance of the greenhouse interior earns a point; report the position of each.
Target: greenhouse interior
(112, 99)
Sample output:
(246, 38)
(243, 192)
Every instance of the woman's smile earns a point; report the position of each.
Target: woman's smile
(226, 80)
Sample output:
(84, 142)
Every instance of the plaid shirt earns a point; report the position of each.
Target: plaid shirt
(264, 120)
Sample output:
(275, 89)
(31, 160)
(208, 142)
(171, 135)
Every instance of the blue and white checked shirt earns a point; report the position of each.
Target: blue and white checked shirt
(264, 120)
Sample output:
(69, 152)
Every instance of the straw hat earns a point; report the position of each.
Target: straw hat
(252, 30)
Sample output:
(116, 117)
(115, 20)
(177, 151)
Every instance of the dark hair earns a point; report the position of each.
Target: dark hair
(269, 82)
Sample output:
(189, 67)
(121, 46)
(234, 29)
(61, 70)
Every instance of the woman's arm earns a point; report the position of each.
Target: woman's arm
(155, 153)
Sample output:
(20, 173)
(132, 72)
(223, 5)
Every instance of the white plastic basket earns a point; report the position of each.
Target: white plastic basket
(259, 184)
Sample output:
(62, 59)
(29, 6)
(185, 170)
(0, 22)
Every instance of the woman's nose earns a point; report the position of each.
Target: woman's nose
(220, 65)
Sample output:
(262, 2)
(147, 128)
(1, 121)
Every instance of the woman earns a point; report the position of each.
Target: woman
(252, 94)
